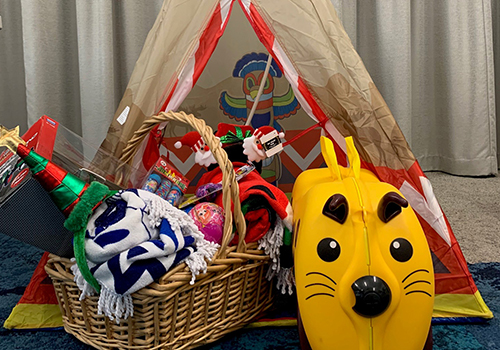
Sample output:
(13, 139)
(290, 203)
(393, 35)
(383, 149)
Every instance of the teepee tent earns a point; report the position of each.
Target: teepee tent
(323, 73)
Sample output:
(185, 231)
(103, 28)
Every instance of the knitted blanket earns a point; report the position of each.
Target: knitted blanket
(132, 239)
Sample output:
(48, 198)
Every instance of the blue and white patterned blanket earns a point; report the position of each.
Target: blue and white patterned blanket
(132, 239)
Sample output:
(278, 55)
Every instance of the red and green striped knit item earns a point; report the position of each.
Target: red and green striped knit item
(74, 197)
(64, 188)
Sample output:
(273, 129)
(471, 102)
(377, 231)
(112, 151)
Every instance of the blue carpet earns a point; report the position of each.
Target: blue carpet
(19, 261)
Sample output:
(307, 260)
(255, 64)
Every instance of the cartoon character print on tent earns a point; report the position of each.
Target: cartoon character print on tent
(329, 81)
(270, 107)
(281, 169)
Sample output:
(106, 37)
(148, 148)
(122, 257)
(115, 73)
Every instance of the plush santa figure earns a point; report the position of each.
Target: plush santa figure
(264, 142)
(231, 137)
(202, 154)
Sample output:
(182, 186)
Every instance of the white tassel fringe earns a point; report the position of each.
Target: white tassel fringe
(115, 307)
(183, 223)
(82, 284)
(271, 244)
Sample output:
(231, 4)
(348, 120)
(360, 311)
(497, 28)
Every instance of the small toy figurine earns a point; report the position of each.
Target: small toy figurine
(363, 268)
(264, 143)
(203, 156)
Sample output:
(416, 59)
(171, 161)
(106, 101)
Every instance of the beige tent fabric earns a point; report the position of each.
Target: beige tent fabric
(170, 43)
(238, 40)
(324, 56)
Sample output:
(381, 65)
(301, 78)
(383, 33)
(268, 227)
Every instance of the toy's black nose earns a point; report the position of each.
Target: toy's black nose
(373, 296)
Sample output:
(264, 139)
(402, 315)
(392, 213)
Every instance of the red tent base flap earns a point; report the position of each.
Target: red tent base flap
(38, 307)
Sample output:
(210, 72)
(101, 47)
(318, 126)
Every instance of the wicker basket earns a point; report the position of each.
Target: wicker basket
(172, 314)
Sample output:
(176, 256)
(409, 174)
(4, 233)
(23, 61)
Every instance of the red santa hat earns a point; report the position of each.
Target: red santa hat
(264, 130)
(192, 139)
(232, 133)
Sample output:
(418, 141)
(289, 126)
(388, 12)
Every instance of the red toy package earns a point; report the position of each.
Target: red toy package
(166, 182)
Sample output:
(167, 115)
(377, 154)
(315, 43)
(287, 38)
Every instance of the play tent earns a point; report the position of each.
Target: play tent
(182, 67)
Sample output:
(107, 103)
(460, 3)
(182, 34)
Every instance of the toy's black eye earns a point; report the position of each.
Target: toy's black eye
(401, 250)
(328, 249)
(336, 208)
(391, 206)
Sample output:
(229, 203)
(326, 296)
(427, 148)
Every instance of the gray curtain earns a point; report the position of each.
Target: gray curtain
(69, 59)
(432, 61)
(13, 109)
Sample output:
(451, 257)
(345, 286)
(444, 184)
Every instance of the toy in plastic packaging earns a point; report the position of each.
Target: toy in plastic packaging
(27, 213)
(152, 183)
(164, 188)
(174, 196)
(166, 182)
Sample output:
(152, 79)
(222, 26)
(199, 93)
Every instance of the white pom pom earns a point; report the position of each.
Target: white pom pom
(178, 144)
(281, 135)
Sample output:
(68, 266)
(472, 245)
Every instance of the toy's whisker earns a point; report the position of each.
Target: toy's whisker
(318, 294)
(418, 291)
(411, 273)
(320, 284)
(419, 281)
(321, 274)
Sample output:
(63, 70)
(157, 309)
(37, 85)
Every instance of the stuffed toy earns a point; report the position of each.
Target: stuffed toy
(202, 154)
(232, 137)
(264, 142)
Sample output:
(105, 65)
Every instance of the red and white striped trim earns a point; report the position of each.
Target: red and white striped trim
(194, 66)
(200, 56)
(427, 207)
(302, 93)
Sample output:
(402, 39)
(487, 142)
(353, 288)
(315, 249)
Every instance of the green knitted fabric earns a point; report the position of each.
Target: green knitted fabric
(77, 223)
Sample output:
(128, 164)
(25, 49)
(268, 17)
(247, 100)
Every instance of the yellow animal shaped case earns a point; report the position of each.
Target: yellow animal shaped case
(363, 268)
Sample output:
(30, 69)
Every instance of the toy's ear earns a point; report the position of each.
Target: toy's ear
(330, 157)
(353, 156)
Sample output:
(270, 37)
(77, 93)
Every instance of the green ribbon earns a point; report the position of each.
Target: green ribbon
(77, 223)
(231, 137)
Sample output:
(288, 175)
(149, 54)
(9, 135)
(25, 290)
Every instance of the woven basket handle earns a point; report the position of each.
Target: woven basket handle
(230, 189)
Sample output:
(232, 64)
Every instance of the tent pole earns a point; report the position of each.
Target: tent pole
(261, 88)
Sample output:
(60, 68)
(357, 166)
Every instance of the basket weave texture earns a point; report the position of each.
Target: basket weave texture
(171, 313)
